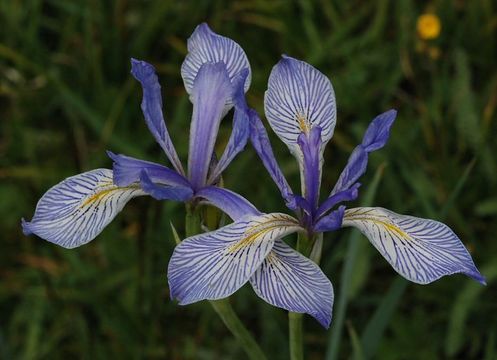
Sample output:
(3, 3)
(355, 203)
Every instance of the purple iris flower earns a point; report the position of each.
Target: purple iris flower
(300, 107)
(216, 75)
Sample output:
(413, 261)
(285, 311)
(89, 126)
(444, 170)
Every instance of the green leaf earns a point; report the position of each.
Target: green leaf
(176, 237)
(376, 326)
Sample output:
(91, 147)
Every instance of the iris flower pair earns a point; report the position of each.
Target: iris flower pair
(300, 107)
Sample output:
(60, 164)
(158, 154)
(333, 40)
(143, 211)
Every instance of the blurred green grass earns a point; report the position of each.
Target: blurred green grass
(66, 96)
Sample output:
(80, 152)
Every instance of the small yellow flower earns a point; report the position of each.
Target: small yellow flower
(428, 26)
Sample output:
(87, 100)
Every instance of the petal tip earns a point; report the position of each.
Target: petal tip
(324, 319)
(26, 227)
(141, 70)
(477, 276)
(111, 155)
(205, 28)
(392, 115)
(393, 112)
(286, 60)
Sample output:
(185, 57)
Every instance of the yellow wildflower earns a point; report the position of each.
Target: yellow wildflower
(428, 26)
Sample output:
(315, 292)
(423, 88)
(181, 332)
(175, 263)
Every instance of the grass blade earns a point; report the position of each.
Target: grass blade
(376, 326)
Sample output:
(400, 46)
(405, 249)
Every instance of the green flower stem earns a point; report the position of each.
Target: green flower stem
(295, 330)
(223, 307)
(232, 321)
(295, 320)
(192, 220)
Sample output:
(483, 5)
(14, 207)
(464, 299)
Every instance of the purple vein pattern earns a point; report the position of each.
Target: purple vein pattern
(205, 46)
(421, 250)
(216, 71)
(76, 210)
(299, 98)
(291, 281)
(214, 265)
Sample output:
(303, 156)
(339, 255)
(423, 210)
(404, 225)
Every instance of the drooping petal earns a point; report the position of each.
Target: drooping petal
(216, 264)
(261, 144)
(152, 109)
(331, 221)
(421, 250)
(375, 138)
(310, 145)
(346, 195)
(233, 204)
(160, 191)
(210, 90)
(127, 171)
(205, 46)
(298, 98)
(75, 211)
(291, 281)
(241, 128)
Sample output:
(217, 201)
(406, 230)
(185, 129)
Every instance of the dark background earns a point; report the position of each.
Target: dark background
(66, 96)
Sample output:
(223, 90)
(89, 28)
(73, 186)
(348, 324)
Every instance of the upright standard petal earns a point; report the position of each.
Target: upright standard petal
(298, 98)
(75, 211)
(205, 46)
(261, 144)
(216, 264)
(375, 138)
(378, 131)
(310, 145)
(152, 109)
(421, 250)
(127, 170)
(236, 206)
(291, 281)
(241, 128)
(210, 90)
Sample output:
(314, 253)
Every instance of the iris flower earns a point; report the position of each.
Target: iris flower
(300, 107)
(216, 75)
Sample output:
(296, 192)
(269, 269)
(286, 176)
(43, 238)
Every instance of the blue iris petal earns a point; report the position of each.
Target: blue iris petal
(375, 138)
(211, 89)
(233, 204)
(310, 144)
(161, 191)
(152, 109)
(127, 170)
(330, 222)
(261, 144)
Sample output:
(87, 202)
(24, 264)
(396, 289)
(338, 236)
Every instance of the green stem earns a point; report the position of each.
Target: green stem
(295, 320)
(192, 220)
(223, 307)
(295, 330)
(232, 321)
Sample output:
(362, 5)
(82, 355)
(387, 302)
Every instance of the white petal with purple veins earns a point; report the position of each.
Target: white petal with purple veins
(75, 211)
(205, 46)
(216, 264)
(293, 282)
(298, 98)
(421, 250)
